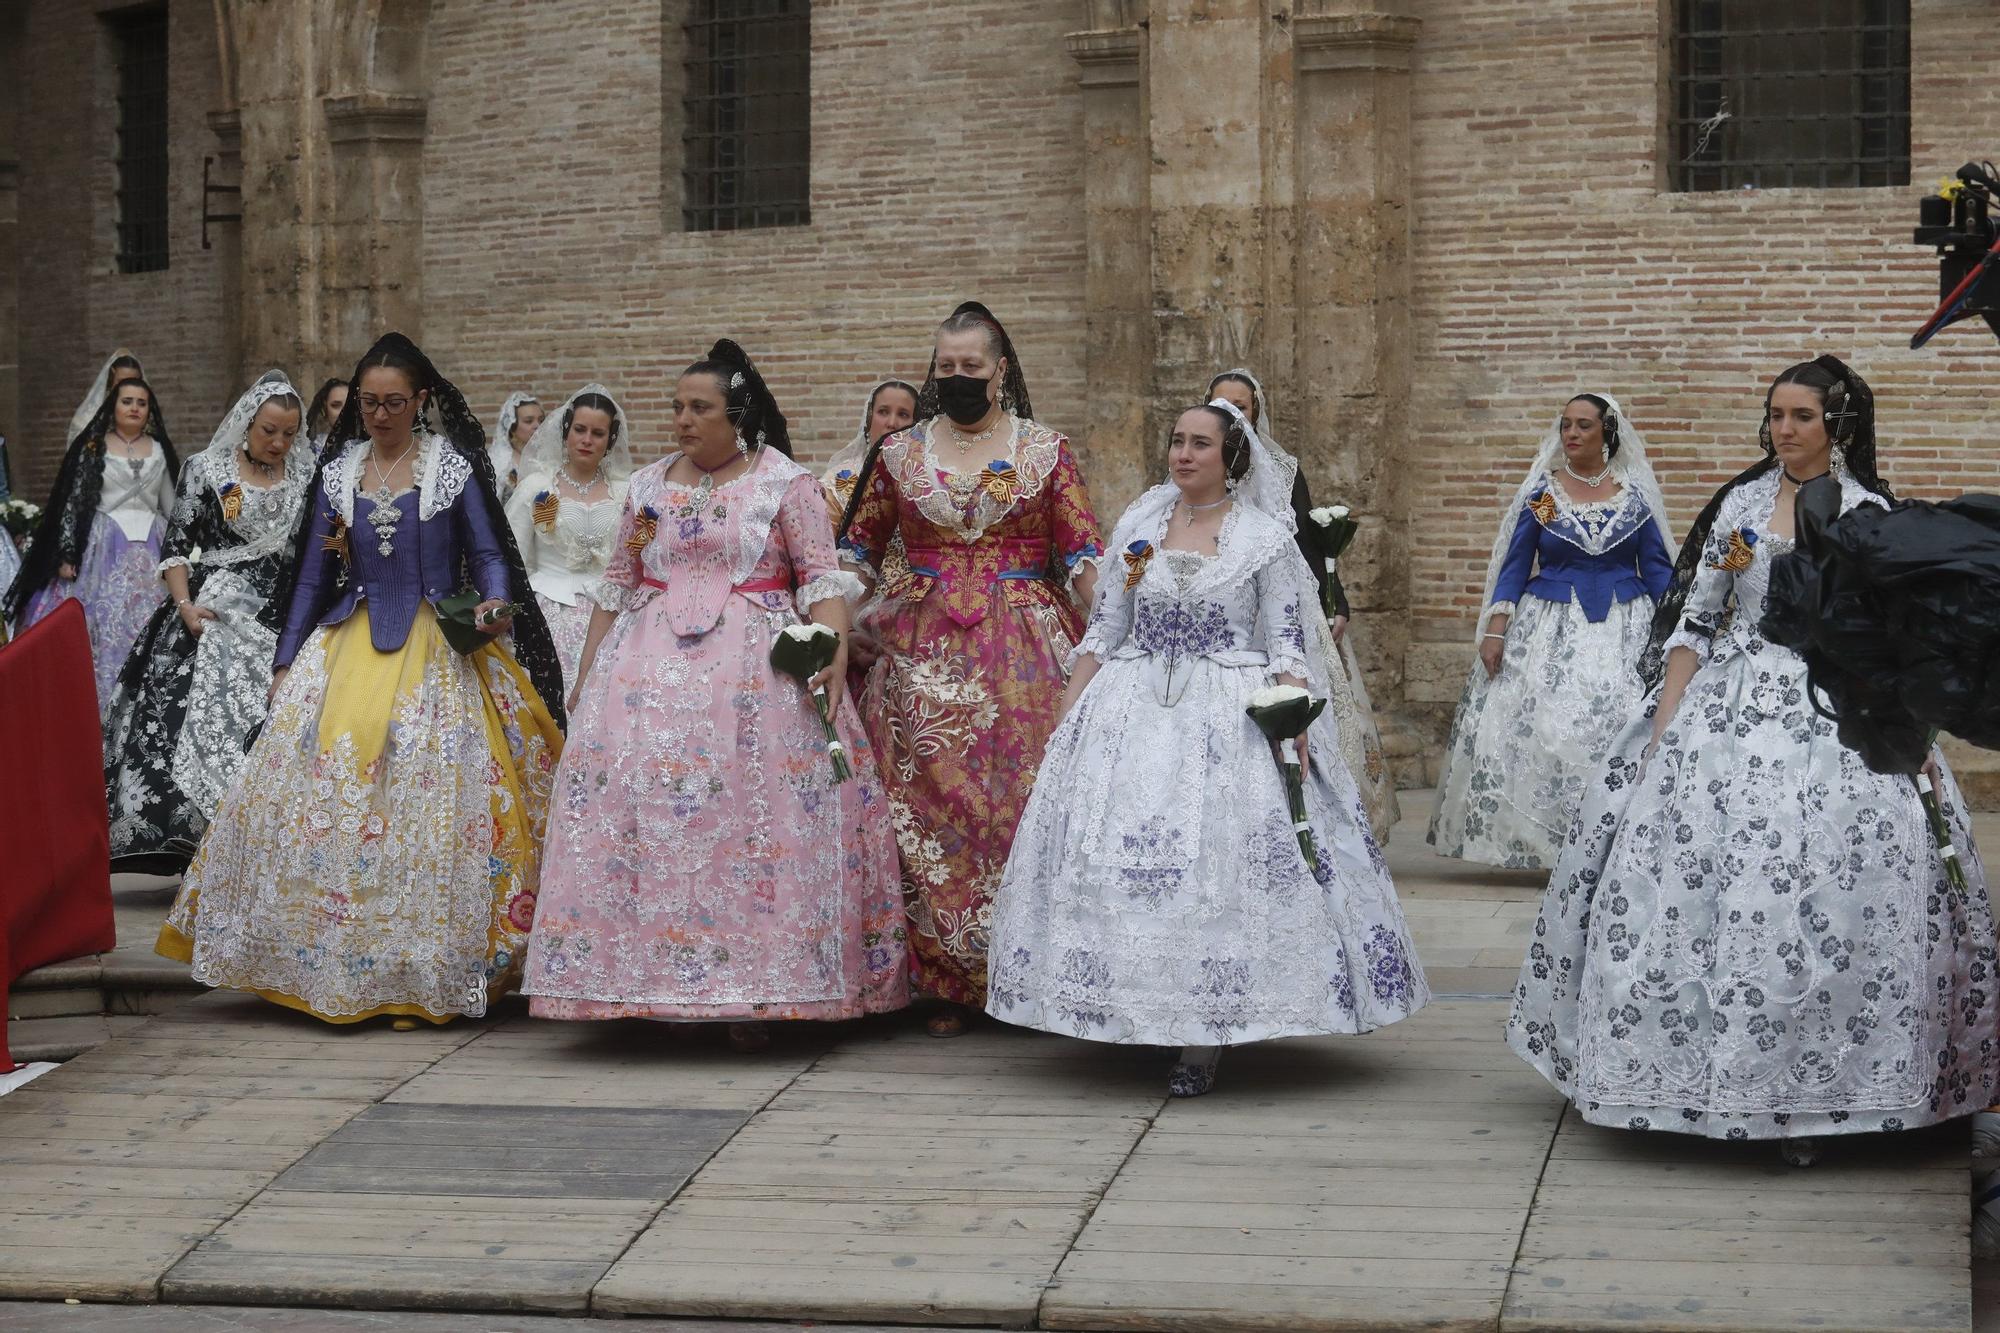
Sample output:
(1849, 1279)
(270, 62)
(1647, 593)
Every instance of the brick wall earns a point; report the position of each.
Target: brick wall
(74, 304)
(1549, 259)
(947, 146)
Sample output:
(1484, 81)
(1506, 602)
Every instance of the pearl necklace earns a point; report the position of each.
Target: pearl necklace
(1597, 480)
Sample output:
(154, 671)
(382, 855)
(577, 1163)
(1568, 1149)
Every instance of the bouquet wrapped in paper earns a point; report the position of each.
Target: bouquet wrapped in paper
(1282, 713)
(1337, 527)
(802, 652)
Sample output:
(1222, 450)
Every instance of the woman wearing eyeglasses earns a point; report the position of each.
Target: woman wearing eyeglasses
(380, 850)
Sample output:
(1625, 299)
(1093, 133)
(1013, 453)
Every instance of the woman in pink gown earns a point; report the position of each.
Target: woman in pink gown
(976, 633)
(702, 862)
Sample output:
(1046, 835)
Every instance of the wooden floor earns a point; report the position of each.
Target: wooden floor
(1418, 1177)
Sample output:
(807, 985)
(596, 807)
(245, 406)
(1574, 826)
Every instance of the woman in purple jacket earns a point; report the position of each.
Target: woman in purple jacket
(1581, 559)
(380, 850)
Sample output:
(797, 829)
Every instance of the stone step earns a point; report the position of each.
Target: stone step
(65, 1037)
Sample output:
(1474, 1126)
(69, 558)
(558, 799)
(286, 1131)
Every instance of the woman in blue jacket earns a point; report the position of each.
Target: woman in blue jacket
(380, 848)
(1581, 560)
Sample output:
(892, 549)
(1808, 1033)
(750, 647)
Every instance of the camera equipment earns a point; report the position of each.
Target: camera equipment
(1958, 221)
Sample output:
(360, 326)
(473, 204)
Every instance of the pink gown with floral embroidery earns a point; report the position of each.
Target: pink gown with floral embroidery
(701, 861)
(976, 640)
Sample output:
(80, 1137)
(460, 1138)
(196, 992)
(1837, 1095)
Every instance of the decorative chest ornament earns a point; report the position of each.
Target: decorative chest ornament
(546, 508)
(1543, 507)
(1741, 552)
(1137, 556)
(644, 527)
(231, 496)
(1000, 481)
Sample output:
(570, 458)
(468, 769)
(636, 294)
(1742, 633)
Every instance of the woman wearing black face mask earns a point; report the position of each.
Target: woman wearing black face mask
(976, 637)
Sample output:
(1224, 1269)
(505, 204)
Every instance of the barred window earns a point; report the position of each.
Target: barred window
(139, 40)
(748, 132)
(1774, 93)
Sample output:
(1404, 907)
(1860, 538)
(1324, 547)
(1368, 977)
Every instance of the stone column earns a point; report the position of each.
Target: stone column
(374, 256)
(1209, 187)
(1354, 356)
(1118, 280)
(330, 118)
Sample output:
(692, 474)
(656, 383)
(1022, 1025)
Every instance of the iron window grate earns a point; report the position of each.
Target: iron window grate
(748, 135)
(1777, 93)
(140, 41)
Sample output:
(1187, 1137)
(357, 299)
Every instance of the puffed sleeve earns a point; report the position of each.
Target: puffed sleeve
(521, 522)
(1656, 567)
(485, 546)
(182, 523)
(316, 571)
(1708, 596)
(1516, 566)
(1072, 522)
(874, 520)
(1283, 586)
(622, 571)
(808, 538)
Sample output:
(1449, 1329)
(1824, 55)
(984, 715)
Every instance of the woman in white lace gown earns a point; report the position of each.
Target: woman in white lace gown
(1749, 933)
(521, 415)
(1579, 565)
(565, 511)
(1156, 892)
(1354, 715)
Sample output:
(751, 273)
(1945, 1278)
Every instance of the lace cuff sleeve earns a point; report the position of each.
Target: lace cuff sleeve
(172, 562)
(611, 596)
(834, 583)
(1497, 609)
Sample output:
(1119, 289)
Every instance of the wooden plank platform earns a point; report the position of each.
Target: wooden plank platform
(1325, 1184)
(508, 1175)
(120, 1161)
(903, 1179)
(1670, 1232)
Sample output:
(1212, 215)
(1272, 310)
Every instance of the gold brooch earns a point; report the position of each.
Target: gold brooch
(232, 501)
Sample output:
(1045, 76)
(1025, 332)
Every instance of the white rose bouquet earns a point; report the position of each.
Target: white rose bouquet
(1337, 527)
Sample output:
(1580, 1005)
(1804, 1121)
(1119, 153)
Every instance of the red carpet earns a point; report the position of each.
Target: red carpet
(55, 877)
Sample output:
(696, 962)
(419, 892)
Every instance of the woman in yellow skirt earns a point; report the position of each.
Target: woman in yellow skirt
(379, 852)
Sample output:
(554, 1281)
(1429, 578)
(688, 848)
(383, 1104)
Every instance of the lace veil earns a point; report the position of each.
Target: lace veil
(1629, 467)
(544, 451)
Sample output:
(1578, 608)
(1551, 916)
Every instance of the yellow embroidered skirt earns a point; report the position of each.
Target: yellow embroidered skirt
(380, 850)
